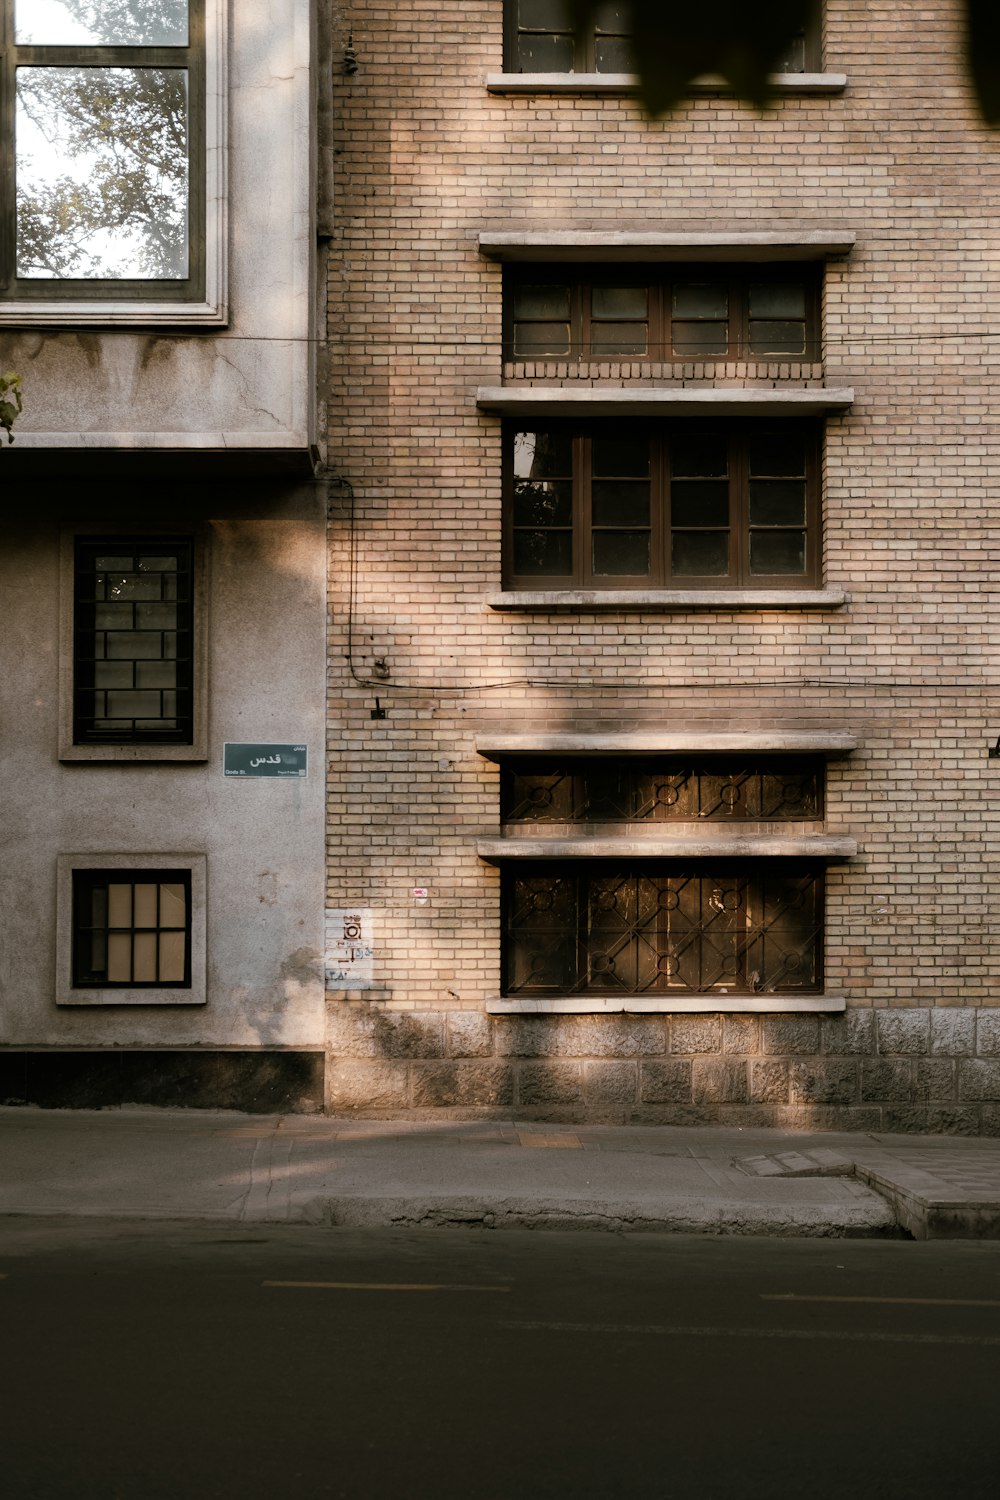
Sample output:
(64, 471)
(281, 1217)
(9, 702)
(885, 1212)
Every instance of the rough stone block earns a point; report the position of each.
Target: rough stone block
(470, 1084)
(785, 1036)
(719, 1080)
(903, 1031)
(740, 1035)
(935, 1080)
(849, 1034)
(888, 1079)
(829, 1080)
(979, 1080)
(550, 1083)
(937, 1120)
(953, 1031)
(990, 1124)
(611, 1083)
(468, 1034)
(581, 1036)
(666, 1082)
(768, 1082)
(988, 1033)
(696, 1034)
(362, 1084)
(353, 1032)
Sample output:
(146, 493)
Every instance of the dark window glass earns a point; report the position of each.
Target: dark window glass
(133, 641)
(633, 503)
(679, 313)
(132, 928)
(596, 928)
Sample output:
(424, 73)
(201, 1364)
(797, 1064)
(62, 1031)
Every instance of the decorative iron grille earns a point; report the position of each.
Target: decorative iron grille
(729, 930)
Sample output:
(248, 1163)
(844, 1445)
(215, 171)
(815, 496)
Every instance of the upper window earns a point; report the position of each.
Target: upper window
(633, 504)
(689, 313)
(104, 139)
(133, 650)
(541, 38)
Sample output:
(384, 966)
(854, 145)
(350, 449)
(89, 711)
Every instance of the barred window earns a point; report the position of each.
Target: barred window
(133, 641)
(632, 504)
(131, 928)
(575, 928)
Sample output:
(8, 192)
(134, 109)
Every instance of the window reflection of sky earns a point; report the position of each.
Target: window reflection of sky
(122, 23)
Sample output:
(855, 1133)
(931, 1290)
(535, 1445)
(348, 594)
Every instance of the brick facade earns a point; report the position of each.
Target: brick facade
(426, 160)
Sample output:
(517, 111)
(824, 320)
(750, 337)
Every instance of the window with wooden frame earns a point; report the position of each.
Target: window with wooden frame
(102, 148)
(133, 641)
(131, 929)
(633, 504)
(540, 37)
(684, 312)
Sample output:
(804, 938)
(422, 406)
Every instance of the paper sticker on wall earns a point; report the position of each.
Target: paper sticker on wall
(350, 948)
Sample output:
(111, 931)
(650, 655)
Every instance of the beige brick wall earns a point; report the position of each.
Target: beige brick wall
(426, 159)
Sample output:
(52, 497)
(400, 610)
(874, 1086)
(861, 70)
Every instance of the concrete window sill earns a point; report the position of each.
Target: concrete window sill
(588, 1005)
(663, 600)
(699, 845)
(783, 84)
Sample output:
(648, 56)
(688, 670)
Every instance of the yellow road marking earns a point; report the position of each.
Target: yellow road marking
(901, 1301)
(387, 1286)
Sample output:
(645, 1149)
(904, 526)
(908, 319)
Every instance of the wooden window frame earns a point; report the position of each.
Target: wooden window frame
(191, 60)
(737, 278)
(584, 49)
(739, 432)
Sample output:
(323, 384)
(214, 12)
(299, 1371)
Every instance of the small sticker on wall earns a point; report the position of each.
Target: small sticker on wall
(350, 948)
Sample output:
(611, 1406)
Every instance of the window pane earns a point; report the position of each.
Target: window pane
(701, 457)
(613, 54)
(621, 554)
(700, 554)
(119, 905)
(119, 957)
(173, 906)
(144, 909)
(699, 502)
(690, 339)
(793, 59)
(614, 17)
(777, 502)
(156, 616)
(545, 15)
(102, 173)
(778, 299)
(622, 339)
(777, 338)
(619, 302)
(172, 957)
(541, 920)
(619, 502)
(620, 457)
(778, 552)
(541, 302)
(544, 54)
(144, 946)
(96, 23)
(532, 340)
(543, 553)
(700, 300)
(777, 454)
(543, 455)
(547, 504)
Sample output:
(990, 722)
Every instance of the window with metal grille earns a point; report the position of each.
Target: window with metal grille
(667, 790)
(632, 504)
(689, 312)
(541, 38)
(133, 641)
(586, 927)
(132, 928)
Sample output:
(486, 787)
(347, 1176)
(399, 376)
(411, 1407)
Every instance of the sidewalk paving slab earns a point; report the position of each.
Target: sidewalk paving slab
(151, 1164)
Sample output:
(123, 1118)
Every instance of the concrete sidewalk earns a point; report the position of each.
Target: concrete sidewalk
(241, 1168)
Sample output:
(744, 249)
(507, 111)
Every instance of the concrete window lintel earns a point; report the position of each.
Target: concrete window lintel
(669, 742)
(627, 83)
(639, 246)
(723, 401)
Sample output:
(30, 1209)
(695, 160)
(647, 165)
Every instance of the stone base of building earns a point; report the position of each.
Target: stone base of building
(257, 1081)
(903, 1070)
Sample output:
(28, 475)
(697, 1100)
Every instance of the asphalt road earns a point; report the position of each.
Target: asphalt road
(158, 1361)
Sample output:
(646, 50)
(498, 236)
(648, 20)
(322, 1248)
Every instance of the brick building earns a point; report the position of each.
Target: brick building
(662, 617)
